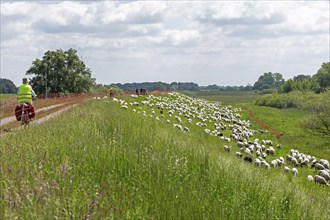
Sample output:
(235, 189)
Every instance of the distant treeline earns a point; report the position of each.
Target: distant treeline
(178, 86)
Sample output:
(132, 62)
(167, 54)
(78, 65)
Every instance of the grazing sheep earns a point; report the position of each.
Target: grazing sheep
(264, 155)
(265, 164)
(325, 163)
(273, 163)
(325, 174)
(247, 151)
(238, 154)
(310, 178)
(294, 171)
(124, 107)
(186, 129)
(257, 162)
(286, 170)
(248, 159)
(319, 166)
(294, 161)
(227, 148)
(320, 180)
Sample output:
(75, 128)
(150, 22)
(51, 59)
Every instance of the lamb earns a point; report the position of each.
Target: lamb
(310, 178)
(286, 170)
(325, 174)
(320, 180)
(294, 172)
(227, 148)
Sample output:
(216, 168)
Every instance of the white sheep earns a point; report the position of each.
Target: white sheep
(286, 170)
(124, 107)
(310, 178)
(257, 162)
(273, 163)
(319, 166)
(320, 180)
(227, 148)
(294, 171)
(325, 163)
(265, 164)
(238, 154)
(325, 174)
(186, 129)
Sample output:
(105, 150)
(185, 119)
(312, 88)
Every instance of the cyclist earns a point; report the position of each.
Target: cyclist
(25, 93)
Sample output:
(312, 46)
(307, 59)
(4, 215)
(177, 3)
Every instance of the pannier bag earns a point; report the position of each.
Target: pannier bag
(27, 107)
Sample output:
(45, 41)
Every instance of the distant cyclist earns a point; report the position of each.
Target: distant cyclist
(25, 93)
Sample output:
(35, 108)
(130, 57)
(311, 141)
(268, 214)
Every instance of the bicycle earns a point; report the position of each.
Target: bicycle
(25, 119)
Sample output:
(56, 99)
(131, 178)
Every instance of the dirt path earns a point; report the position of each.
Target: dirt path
(262, 124)
(55, 114)
(13, 118)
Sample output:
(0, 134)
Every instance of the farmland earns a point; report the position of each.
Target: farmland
(102, 161)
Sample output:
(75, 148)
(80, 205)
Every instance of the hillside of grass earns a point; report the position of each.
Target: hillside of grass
(101, 161)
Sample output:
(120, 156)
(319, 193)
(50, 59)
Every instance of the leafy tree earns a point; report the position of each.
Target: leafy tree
(300, 83)
(7, 86)
(60, 72)
(318, 121)
(268, 81)
(323, 76)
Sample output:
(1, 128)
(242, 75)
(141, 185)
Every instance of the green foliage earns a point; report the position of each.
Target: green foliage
(294, 99)
(319, 120)
(105, 89)
(300, 83)
(268, 81)
(7, 86)
(323, 76)
(60, 72)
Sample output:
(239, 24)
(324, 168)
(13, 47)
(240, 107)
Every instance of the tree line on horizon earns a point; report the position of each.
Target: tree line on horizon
(64, 72)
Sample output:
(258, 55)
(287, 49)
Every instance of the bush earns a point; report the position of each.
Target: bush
(295, 99)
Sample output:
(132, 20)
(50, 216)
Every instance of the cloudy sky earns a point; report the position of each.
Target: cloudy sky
(207, 42)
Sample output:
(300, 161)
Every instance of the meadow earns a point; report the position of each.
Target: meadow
(102, 161)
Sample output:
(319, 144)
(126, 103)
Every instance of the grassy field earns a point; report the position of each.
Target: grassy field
(100, 161)
(226, 97)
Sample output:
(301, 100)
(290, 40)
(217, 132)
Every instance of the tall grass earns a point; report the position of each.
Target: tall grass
(99, 161)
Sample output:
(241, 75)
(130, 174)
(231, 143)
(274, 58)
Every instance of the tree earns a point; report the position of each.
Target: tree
(7, 86)
(302, 83)
(318, 121)
(323, 76)
(60, 72)
(268, 81)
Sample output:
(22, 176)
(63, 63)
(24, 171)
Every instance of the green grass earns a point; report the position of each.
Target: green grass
(288, 122)
(6, 97)
(226, 97)
(99, 161)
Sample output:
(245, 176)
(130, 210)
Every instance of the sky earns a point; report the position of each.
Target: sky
(206, 42)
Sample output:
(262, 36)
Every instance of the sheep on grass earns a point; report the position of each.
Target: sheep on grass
(320, 180)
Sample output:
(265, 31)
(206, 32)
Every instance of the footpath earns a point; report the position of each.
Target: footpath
(13, 118)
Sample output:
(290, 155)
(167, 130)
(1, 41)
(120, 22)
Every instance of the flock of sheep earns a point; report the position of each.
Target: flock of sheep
(224, 122)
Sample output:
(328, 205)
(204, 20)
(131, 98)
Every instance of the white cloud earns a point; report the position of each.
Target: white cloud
(223, 42)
